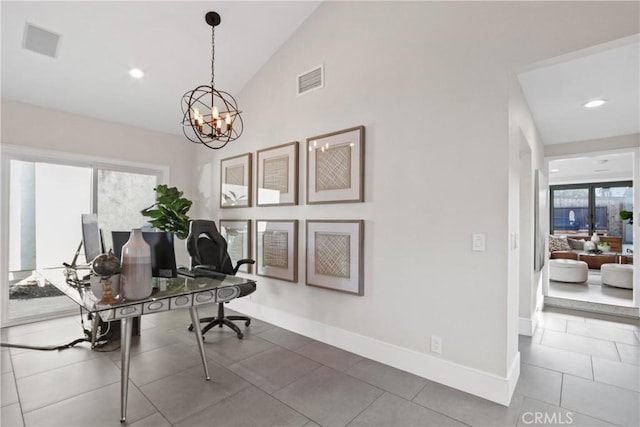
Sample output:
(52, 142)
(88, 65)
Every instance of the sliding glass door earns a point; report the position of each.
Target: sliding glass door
(45, 202)
(45, 199)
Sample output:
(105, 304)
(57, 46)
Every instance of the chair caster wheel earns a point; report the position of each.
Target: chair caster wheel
(190, 328)
(247, 323)
(240, 336)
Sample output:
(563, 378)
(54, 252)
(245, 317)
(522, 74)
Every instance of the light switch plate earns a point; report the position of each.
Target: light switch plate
(478, 242)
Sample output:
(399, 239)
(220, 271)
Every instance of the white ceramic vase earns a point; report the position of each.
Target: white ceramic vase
(135, 276)
(595, 238)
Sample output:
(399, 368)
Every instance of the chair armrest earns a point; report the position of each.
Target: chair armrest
(242, 262)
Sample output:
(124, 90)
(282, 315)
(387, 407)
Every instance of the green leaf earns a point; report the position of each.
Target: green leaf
(169, 212)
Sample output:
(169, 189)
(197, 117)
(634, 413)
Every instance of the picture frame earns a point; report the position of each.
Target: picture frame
(237, 233)
(235, 181)
(335, 167)
(277, 180)
(277, 249)
(335, 255)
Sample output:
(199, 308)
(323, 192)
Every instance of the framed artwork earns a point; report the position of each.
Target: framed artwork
(277, 183)
(277, 249)
(335, 167)
(335, 255)
(237, 233)
(235, 181)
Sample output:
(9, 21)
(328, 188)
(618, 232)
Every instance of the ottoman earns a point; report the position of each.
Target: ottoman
(618, 275)
(568, 270)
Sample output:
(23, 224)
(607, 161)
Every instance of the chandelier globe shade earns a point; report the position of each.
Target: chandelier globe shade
(209, 116)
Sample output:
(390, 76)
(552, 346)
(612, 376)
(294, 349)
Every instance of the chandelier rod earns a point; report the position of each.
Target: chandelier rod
(213, 54)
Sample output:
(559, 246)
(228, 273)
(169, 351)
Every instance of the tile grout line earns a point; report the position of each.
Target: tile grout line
(618, 352)
(441, 413)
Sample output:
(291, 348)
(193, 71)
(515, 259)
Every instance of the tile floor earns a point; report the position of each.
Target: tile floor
(577, 369)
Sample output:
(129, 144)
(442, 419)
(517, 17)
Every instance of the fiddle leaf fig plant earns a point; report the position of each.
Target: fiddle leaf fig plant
(169, 212)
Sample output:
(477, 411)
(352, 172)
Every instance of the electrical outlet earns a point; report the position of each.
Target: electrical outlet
(436, 344)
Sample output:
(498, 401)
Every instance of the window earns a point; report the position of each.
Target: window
(43, 200)
(583, 209)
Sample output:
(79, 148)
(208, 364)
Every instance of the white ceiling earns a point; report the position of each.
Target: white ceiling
(169, 41)
(591, 168)
(557, 91)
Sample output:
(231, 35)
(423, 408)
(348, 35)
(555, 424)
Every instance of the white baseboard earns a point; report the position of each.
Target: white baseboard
(525, 326)
(483, 384)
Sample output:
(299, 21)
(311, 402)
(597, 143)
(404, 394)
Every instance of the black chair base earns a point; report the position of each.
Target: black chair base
(222, 320)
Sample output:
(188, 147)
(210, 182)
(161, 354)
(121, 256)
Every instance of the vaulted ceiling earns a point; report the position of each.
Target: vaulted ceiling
(100, 41)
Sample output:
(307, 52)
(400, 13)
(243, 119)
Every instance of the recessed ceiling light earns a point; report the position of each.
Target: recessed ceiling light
(136, 73)
(595, 103)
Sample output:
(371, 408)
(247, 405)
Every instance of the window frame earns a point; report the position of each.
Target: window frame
(591, 202)
(13, 152)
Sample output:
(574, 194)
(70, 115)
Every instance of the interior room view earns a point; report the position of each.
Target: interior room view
(319, 213)
(571, 209)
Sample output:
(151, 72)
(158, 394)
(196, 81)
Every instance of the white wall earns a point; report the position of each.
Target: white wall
(431, 82)
(526, 142)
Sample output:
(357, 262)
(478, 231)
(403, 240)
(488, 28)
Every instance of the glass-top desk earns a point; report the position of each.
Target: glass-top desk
(177, 294)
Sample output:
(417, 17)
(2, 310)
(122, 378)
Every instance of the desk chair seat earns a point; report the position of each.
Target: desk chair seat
(208, 250)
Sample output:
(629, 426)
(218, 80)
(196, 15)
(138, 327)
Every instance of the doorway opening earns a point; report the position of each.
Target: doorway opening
(591, 198)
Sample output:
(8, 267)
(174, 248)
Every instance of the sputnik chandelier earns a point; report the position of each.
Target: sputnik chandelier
(211, 116)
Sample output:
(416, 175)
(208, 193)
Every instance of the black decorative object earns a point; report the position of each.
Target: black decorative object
(210, 116)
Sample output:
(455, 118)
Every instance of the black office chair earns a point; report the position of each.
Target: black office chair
(208, 250)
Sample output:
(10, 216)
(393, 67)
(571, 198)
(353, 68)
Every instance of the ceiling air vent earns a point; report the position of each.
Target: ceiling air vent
(40, 40)
(311, 80)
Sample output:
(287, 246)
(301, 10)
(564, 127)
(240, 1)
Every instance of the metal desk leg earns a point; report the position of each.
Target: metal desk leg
(125, 352)
(94, 329)
(195, 320)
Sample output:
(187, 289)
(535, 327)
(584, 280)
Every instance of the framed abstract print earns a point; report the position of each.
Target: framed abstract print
(277, 249)
(335, 167)
(334, 255)
(277, 183)
(237, 233)
(235, 181)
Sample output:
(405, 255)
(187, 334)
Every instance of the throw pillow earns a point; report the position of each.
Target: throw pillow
(576, 244)
(558, 244)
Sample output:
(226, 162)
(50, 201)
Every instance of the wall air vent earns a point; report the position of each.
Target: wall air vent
(311, 80)
(40, 40)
